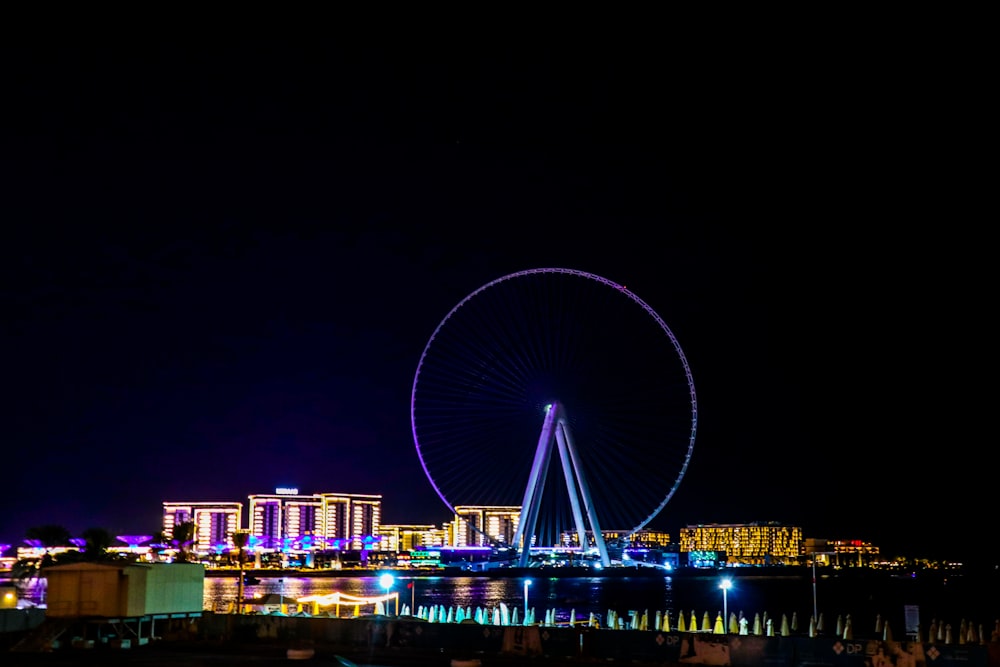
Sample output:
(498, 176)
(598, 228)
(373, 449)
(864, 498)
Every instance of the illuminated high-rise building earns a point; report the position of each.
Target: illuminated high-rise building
(214, 523)
(351, 521)
(286, 520)
(485, 525)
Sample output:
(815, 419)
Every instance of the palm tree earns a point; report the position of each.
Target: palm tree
(183, 538)
(240, 540)
(98, 541)
(48, 536)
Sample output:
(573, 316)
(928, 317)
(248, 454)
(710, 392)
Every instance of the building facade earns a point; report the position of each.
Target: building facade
(485, 525)
(767, 543)
(214, 523)
(285, 520)
(352, 521)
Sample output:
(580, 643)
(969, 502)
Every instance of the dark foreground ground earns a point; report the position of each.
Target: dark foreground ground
(180, 655)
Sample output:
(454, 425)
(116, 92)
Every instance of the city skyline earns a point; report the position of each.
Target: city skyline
(223, 262)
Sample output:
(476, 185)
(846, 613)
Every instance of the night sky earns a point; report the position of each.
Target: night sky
(221, 264)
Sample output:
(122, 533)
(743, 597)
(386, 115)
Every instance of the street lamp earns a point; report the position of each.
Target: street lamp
(386, 580)
(725, 585)
(815, 606)
(527, 582)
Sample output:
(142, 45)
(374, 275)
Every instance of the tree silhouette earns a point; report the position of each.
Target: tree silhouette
(98, 541)
(183, 539)
(49, 536)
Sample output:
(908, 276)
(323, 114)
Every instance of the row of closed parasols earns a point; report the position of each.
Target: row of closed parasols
(761, 625)
(967, 632)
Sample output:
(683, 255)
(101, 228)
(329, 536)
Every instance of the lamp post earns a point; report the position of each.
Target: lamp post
(815, 606)
(387, 580)
(725, 585)
(527, 582)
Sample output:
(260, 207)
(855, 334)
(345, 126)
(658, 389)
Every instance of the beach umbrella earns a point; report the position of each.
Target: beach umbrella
(734, 624)
(681, 623)
(785, 630)
(718, 629)
(706, 623)
(795, 621)
(758, 629)
(743, 625)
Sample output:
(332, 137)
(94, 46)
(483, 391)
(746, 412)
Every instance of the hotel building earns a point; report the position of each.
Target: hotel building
(742, 544)
(481, 525)
(401, 538)
(214, 523)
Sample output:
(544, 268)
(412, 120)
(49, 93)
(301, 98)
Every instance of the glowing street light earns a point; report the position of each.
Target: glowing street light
(725, 585)
(386, 580)
(527, 582)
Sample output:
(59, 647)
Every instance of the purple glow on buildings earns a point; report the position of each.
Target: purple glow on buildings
(134, 541)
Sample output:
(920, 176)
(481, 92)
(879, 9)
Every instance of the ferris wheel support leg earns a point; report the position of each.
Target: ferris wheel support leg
(588, 503)
(569, 473)
(536, 482)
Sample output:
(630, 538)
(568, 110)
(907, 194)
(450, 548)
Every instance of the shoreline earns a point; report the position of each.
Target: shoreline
(765, 572)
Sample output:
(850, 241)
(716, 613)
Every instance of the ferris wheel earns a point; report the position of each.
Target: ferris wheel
(555, 362)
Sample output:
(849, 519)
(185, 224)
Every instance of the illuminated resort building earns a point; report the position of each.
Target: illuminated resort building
(351, 521)
(742, 544)
(652, 539)
(483, 525)
(285, 520)
(402, 538)
(841, 553)
(214, 523)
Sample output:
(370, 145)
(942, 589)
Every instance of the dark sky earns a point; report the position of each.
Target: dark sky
(221, 263)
